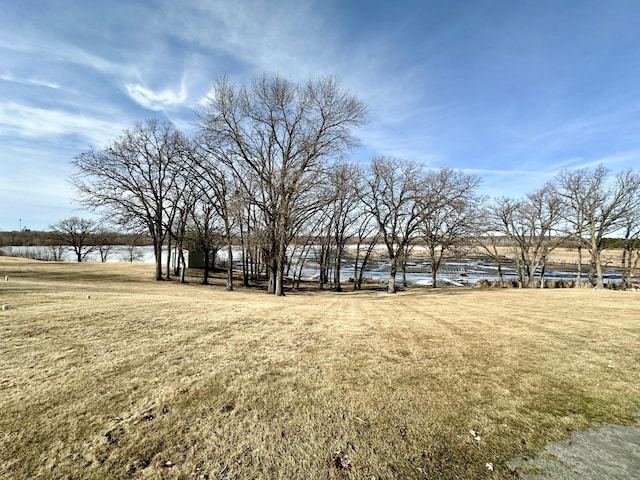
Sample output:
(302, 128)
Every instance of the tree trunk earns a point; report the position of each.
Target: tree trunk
(500, 275)
(245, 268)
(336, 268)
(169, 258)
(183, 266)
(598, 262)
(627, 265)
(271, 275)
(205, 274)
(531, 275)
(244, 257)
(355, 267)
(229, 267)
(542, 272)
(592, 274)
(521, 276)
(579, 275)
(157, 251)
(434, 267)
(279, 287)
(256, 262)
(281, 255)
(391, 284)
(177, 255)
(363, 266)
(404, 270)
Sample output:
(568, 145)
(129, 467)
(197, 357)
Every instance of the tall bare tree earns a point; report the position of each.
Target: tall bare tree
(391, 194)
(206, 231)
(215, 182)
(133, 179)
(598, 206)
(627, 238)
(532, 228)
(276, 137)
(630, 241)
(449, 213)
(489, 237)
(183, 205)
(344, 183)
(366, 239)
(250, 230)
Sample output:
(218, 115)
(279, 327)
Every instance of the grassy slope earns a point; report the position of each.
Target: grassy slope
(160, 380)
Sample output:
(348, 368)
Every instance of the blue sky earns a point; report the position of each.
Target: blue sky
(511, 90)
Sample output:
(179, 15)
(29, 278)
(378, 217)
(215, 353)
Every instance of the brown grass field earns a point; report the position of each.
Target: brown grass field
(161, 380)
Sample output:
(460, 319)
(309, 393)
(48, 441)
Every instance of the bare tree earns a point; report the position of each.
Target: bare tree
(367, 237)
(206, 231)
(77, 233)
(133, 246)
(390, 194)
(318, 241)
(311, 237)
(276, 137)
(56, 252)
(449, 213)
(250, 228)
(134, 178)
(532, 228)
(344, 181)
(597, 206)
(105, 242)
(489, 236)
(216, 185)
(630, 240)
(184, 207)
(572, 188)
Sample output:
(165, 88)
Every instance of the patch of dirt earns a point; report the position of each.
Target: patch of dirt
(610, 452)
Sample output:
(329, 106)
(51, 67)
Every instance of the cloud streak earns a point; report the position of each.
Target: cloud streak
(37, 123)
(29, 81)
(161, 100)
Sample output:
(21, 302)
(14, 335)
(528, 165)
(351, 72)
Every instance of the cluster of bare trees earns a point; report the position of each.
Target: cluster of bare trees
(83, 237)
(579, 208)
(267, 172)
(256, 172)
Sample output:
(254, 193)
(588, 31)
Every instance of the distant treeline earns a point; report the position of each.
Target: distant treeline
(620, 243)
(29, 238)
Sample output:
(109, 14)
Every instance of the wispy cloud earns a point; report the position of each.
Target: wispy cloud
(258, 36)
(615, 162)
(157, 100)
(295, 39)
(29, 81)
(38, 123)
(57, 50)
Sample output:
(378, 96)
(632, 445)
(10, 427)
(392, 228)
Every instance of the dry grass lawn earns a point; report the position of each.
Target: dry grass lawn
(161, 380)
